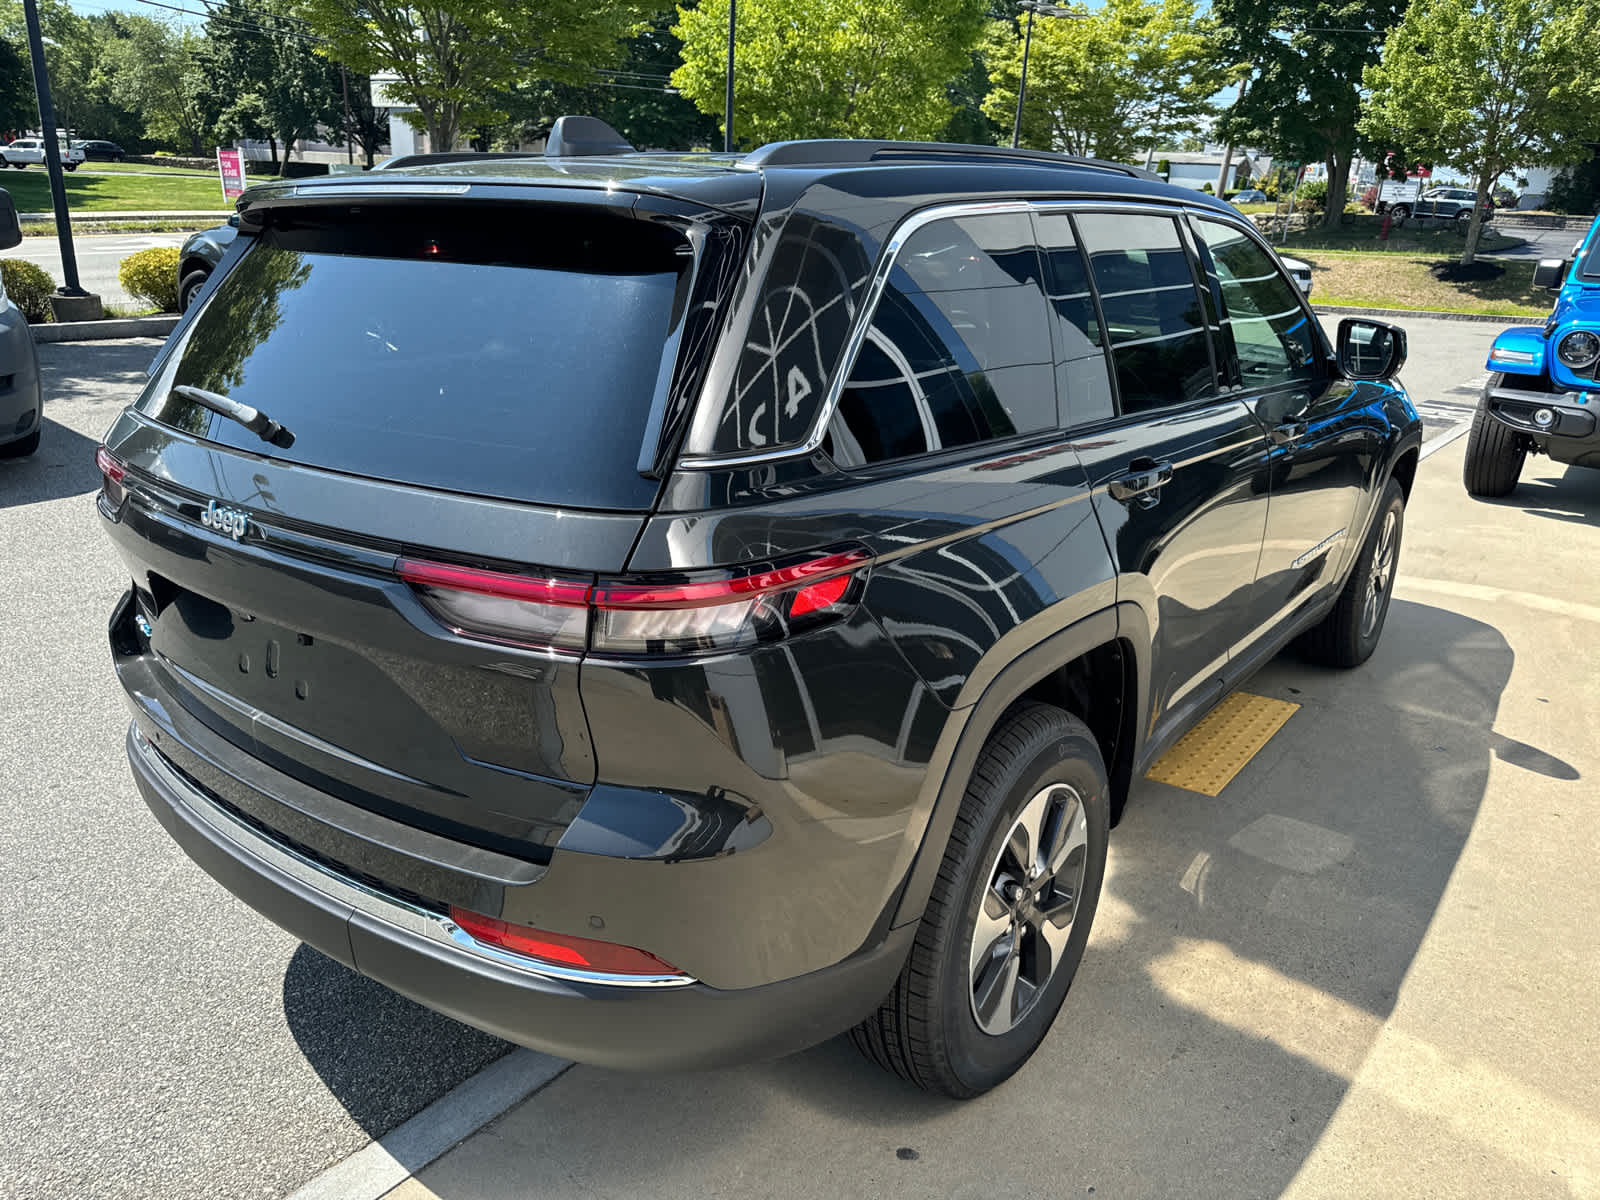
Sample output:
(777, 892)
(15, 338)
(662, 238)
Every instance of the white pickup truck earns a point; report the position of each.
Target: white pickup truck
(24, 151)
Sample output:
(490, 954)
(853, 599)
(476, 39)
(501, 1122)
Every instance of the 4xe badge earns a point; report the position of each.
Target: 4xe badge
(224, 520)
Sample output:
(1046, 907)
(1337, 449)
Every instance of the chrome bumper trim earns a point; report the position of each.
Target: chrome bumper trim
(379, 905)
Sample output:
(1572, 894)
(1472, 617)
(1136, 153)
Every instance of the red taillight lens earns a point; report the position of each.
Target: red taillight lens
(584, 954)
(637, 617)
(112, 472)
(494, 604)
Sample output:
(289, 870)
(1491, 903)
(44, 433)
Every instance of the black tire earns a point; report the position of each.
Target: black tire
(927, 1030)
(70, 166)
(22, 447)
(1495, 454)
(192, 283)
(1348, 635)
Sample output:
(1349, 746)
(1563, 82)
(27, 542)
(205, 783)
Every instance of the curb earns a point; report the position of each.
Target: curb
(1431, 313)
(99, 331)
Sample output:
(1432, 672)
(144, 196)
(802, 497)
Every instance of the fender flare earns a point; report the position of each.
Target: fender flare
(967, 730)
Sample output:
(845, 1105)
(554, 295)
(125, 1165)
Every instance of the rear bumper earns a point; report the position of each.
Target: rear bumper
(423, 955)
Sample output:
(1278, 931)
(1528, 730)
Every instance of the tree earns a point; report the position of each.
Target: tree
(157, 71)
(264, 74)
(1303, 102)
(452, 57)
(1489, 84)
(17, 109)
(830, 68)
(1115, 83)
(368, 125)
(633, 99)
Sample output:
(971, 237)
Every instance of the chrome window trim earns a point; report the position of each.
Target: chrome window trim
(362, 898)
(880, 280)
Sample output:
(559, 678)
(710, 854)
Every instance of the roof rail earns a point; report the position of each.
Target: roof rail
(582, 137)
(825, 152)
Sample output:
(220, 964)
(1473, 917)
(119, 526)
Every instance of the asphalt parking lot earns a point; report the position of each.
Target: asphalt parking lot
(1368, 968)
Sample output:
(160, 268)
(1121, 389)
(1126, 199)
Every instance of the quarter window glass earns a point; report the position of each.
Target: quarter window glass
(1152, 309)
(1263, 322)
(1083, 381)
(959, 348)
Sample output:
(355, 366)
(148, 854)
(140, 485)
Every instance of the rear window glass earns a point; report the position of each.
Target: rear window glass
(512, 353)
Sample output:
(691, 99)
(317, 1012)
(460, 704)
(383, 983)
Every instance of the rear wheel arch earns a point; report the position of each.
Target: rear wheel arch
(1109, 650)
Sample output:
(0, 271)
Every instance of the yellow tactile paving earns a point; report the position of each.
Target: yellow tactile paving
(1206, 759)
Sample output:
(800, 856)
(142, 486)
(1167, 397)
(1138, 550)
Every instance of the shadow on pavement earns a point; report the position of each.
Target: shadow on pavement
(69, 366)
(1246, 953)
(1562, 493)
(384, 1057)
(63, 465)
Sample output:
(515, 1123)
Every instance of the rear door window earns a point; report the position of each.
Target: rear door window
(510, 352)
(959, 349)
(1083, 382)
(1152, 308)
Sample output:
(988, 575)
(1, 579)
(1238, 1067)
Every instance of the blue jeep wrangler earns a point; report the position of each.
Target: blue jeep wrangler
(1543, 392)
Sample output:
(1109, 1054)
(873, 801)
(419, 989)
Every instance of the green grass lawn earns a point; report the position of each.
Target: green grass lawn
(1365, 280)
(117, 192)
(1414, 237)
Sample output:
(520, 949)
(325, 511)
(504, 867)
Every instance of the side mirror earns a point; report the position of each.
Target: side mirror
(1371, 349)
(10, 226)
(1549, 274)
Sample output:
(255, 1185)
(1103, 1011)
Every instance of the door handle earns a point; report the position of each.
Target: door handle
(1143, 481)
(1288, 433)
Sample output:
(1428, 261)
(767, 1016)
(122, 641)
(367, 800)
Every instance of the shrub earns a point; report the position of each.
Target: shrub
(29, 286)
(1313, 192)
(152, 276)
(1208, 188)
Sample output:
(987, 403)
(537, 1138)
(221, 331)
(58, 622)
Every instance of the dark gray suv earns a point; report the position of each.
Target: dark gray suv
(669, 610)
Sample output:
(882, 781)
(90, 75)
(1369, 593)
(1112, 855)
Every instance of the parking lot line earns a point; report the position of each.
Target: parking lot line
(386, 1163)
(1207, 758)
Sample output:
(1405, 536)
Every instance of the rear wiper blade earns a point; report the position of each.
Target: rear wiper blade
(253, 419)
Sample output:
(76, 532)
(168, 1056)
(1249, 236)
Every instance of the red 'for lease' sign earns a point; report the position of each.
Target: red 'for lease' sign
(230, 164)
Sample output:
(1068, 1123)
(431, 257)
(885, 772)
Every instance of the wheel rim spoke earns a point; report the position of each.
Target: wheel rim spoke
(1028, 908)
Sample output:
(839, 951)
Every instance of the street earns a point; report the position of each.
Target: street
(98, 257)
(1366, 969)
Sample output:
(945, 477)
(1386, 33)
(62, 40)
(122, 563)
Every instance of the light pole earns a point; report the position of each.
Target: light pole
(70, 302)
(1044, 10)
(727, 102)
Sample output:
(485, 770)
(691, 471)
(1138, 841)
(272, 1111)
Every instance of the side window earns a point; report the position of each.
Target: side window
(1264, 325)
(1083, 380)
(959, 348)
(1153, 314)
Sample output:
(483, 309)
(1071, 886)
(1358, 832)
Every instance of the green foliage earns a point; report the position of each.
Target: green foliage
(1242, 180)
(158, 71)
(1313, 194)
(1164, 167)
(1488, 83)
(17, 109)
(1208, 188)
(1301, 96)
(830, 68)
(152, 275)
(1577, 189)
(455, 57)
(29, 287)
(1111, 82)
(264, 79)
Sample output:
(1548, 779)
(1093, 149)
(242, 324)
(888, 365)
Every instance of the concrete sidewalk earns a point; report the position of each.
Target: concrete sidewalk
(1368, 968)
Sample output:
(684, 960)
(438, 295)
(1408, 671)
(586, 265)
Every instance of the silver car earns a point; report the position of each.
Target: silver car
(21, 402)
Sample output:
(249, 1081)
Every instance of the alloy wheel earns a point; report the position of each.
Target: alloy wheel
(1028, 908)
(1381, 576)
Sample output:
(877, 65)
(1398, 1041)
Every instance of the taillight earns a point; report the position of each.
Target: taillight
(494, 604)
(112, 472)
(559, 949)
(642, 617)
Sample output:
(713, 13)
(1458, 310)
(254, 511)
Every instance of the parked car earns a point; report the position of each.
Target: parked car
(1248, 196)
(1299, 271)
(96, 150)
(1451, 204)
(199, 256)
(30, 151)
(1541, 391)
(667, 610)
(21, 400)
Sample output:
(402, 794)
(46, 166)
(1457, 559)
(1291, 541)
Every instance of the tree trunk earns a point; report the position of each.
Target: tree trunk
(273, 168)
(1338, 164)
(1475, 228)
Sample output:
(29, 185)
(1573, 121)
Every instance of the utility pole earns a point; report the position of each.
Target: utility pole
(70, 302)
(1044, 10)
(349, 146)
(727, 102)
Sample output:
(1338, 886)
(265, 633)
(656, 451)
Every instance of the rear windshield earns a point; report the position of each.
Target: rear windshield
(509, 352)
